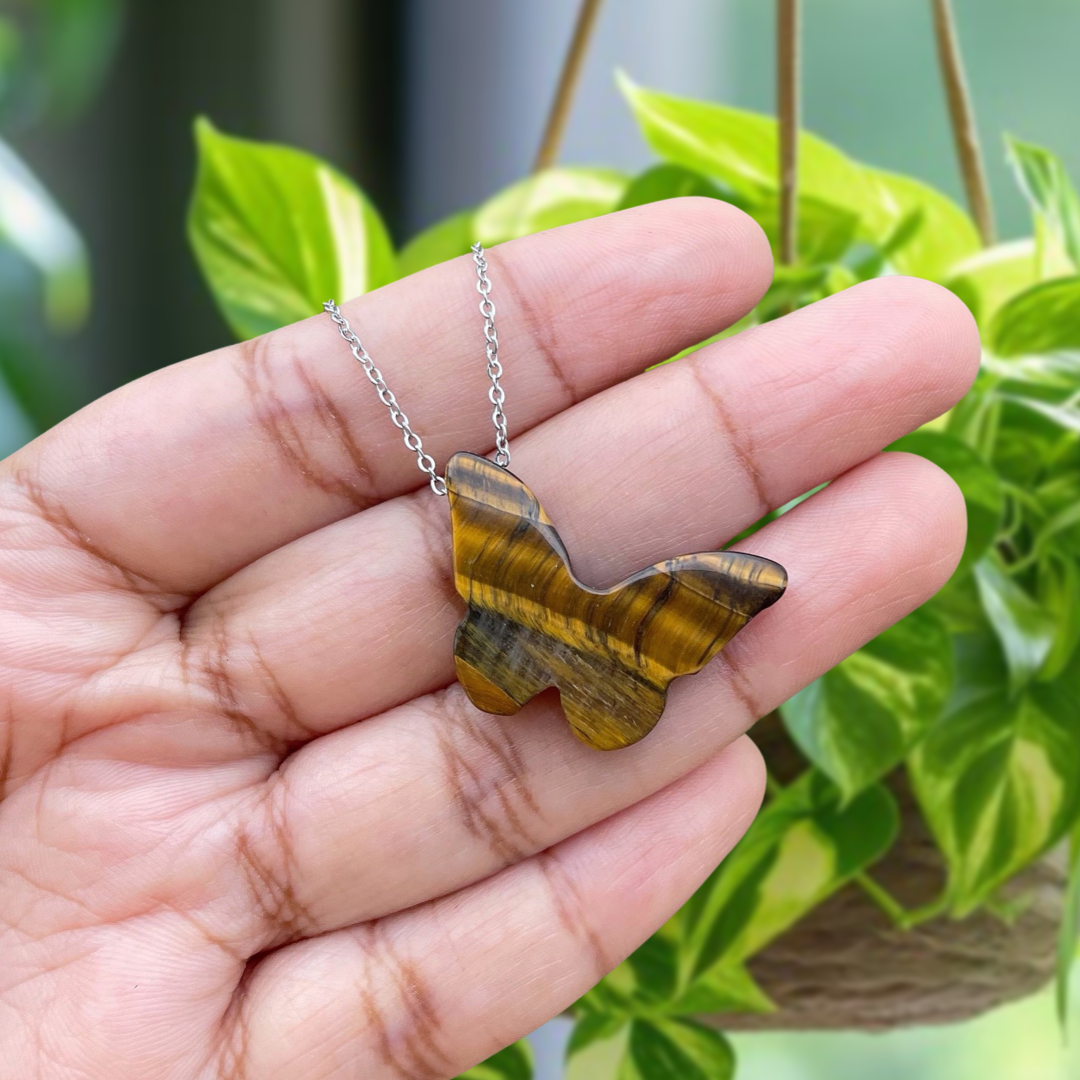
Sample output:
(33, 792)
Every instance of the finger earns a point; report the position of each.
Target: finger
(434, 795)
(179, 479)
(358, 617)
(432, 991)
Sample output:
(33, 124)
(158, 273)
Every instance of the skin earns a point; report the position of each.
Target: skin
(249, 825)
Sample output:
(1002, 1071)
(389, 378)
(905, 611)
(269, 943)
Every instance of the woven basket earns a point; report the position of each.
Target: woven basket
(845, 966)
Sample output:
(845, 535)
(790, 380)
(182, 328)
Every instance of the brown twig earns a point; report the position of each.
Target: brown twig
(548, 153)
(788, 79)
(962, 117)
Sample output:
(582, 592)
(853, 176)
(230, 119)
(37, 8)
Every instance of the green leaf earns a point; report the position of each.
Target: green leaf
(989, 278)
(1064, 416)
(825, 231)
(11, 50)
(444, 240)
(1042, 319)
(640, 984)
(80, 40)
(277, 231)
(593, 1027)
(739, 149)
(727, 989)
(54, 57)
(998, 778)
(983, 496)
(945, 235)
(648, 984)
(1055, 373)
(667, 182)
(548, 199)
(513, 1063)
(1069, 938)
(1058, 592)
(43, 390)
(1044, 181)
(860, 720)
(677, 1050)
(959, 605)
(599, 1048)
(32, 224)
(803, 846)
(551, 198)
(1023, 627)
(647, 1049)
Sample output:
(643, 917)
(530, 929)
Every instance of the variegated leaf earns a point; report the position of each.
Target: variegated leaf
(277, 231)
(859, 720)
(803, 847)
(553, 197)
(998, 777)
(653, 1049)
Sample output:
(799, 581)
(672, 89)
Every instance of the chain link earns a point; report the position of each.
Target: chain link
(413, 441)
(496, 394)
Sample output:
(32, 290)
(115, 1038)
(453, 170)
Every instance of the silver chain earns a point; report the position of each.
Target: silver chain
(496, 395)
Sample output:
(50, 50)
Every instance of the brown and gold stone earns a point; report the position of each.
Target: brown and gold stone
(612, 653)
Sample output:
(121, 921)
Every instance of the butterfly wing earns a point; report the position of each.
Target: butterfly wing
(709, 598)
(507, 559)
(667, 620)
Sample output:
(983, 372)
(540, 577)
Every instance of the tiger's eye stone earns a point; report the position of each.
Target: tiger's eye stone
(611, 653)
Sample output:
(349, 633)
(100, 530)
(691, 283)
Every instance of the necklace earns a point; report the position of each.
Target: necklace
(529, 624)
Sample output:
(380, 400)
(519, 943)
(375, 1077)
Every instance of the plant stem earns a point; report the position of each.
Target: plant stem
(962, 117)
(901, 917)
(788, 79)
(569, 78)
(897, 913)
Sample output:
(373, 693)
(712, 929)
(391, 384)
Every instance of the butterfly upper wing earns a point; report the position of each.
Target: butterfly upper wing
(709, 598)
(611, 653)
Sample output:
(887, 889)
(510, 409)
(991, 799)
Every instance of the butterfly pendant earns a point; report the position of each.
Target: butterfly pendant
(612, 653)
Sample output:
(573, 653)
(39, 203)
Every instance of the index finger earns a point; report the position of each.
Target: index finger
(183, 477)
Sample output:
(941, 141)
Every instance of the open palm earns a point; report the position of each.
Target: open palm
(250, 827)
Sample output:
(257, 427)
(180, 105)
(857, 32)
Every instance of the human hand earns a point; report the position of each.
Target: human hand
(249, 827)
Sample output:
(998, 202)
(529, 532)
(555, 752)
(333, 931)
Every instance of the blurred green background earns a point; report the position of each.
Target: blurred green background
(433, 106)
(1018, 1042)
(413, 121)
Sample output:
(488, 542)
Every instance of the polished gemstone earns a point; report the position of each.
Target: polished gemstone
(612, 653)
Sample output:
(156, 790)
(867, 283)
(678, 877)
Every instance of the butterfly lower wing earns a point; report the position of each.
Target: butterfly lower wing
(612, 654)
(502, 664)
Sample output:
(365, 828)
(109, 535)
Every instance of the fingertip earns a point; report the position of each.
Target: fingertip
(707, 242)
(943, 333)
(745, 771)
(935, 508)
(869, 549)
(731, 249)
